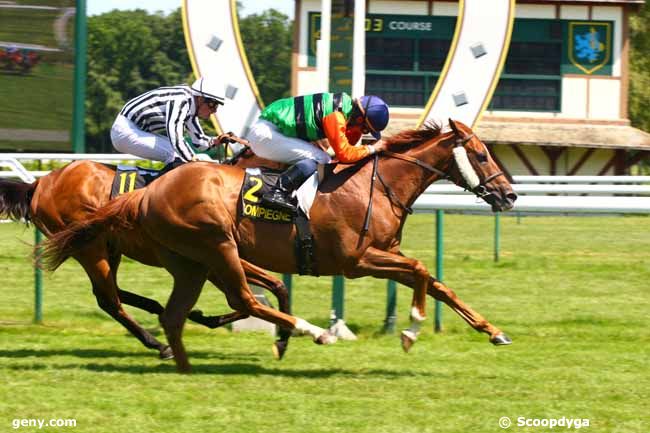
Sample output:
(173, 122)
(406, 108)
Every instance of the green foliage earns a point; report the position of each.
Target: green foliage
(268, 38)
(41, 99)
(640, 68)
(129, 53)
(571, 292)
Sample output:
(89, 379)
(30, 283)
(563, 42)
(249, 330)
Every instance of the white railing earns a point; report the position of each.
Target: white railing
(444, 196)
(581, 179)
(551, 204)
(16, 169)
(539, 188)
(532, 190)
(70, 156)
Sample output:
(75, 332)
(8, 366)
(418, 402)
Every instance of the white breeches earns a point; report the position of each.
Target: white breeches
(267, 141)
(127, 138)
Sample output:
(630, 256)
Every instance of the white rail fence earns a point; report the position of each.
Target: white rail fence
(569, 194)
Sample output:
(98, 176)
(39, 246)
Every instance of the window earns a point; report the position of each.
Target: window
(405, 55)
(391, 54)
(532, 76)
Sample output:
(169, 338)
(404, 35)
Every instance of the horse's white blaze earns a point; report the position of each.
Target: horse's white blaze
(465, 167)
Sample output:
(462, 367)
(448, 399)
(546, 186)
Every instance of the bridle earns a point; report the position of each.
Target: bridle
(480, 190)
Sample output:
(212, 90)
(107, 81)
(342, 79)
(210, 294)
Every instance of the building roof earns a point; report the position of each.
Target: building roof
(610, 136)
(544, 133)
(606, 2)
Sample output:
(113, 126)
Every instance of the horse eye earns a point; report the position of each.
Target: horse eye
(481, 157)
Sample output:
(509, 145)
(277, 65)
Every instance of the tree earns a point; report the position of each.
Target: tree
(640, 69)
(268, 39)
(129, 52)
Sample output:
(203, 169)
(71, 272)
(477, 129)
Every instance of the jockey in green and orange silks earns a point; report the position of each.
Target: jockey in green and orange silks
(288, 128)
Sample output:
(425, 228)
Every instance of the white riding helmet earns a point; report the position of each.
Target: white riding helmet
(211, 88)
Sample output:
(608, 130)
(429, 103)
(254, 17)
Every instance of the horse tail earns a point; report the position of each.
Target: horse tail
(117, 216)
(15, 199)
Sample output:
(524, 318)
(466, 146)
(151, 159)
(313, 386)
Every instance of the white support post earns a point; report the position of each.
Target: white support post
(359, 56)
(323, 45)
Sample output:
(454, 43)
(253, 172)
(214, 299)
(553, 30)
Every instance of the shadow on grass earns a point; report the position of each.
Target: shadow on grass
(101, 353)
(228, 369)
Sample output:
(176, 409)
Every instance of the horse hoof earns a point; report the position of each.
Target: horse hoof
(196, 316)
(166, 353)
(408, 339)
(279, 347)
(501, 339)
(326, 338)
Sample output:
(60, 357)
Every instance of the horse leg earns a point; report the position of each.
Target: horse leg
(154, 307)
(189, 278)
(439, 291)
(382, 264)
(258, 276)
(106, 293)
(444, 294)
(225, 262)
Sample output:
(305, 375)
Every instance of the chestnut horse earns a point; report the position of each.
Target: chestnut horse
(71, 194)
(191, 216)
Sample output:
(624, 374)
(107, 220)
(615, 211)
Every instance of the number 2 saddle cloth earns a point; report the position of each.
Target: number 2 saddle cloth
(258, 181)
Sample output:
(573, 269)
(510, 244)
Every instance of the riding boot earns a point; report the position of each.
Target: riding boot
(172, 165)
(280, 194)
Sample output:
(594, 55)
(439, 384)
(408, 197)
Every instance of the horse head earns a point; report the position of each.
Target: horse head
(474, 169)
(458, 155)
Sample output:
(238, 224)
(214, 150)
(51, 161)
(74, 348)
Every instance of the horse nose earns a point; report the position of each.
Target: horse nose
(509, 199)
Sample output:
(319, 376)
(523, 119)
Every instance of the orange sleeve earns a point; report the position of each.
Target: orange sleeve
(334, 129)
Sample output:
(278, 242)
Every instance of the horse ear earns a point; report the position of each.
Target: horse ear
(453, 127)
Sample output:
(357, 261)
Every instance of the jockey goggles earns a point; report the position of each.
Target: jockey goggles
(212, 103)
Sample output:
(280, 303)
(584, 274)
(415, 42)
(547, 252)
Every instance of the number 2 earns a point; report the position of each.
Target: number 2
(250, 194)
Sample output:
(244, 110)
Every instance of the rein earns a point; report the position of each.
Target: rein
(480, 191)
(415, 161)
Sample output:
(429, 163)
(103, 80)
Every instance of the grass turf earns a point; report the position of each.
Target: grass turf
(571, 292)
(41, 99)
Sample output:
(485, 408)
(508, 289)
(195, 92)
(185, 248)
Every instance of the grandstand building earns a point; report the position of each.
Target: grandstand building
(560, 106)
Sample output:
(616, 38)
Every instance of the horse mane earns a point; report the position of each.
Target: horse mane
(413, 137)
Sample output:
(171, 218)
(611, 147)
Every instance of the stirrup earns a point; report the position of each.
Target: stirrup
(277, 198)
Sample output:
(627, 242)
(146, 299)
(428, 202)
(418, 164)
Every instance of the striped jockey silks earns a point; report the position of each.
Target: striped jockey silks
(168, 111)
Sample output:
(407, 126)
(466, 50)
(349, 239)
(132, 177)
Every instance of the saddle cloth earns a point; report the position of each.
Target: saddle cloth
(258, 181)
(129, 178)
